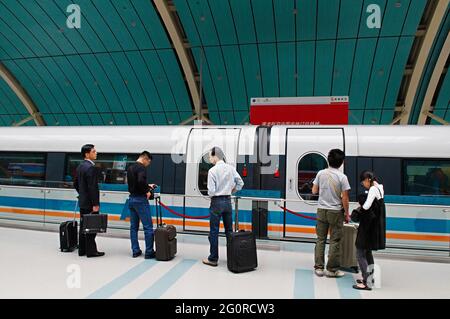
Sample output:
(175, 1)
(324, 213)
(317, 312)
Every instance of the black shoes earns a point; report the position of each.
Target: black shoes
(150, 256)
(97, 254)
(137, 254)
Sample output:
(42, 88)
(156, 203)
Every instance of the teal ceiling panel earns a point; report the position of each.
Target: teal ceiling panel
(327, 19)
(269, 69)
(394, 17)
(324, 68)
(365, 50)
(185, 115)
(215, 118)
(285, 14)
(89, 79)
(49, 119)
(152, 23)
(439, 113)
(33, 91)
(3, 120)
(63, 82)
(204, 21)
(227, 118)
(306, 53)
(381, 70)
(387, 116)
(443, 99)
(13, 44)
(85, 39)
(243, 20)
(306, 19)
(349, 18)
(372, 117)
(206, 83)
(132, 24)
(78, 85)
(355, 117)
(161, 82)
(72, 119)
(173, 72)
(146, 118)
(364, 30)
(233, 64)
(103, 82)
(287, 69)
(159, 118)
(173, 118)
(242, 118)
(415, 13)
(133, 98)
(343, 64)
(252, 70)
(397, 71)
(219, 77)
(264, 21)
(223, 20)
(96, 119)
(120, 119)
(144, 77)
(133, 118)
(187, 20)
(108, 118)
(84, 119)
(60, 120)
(9, 100)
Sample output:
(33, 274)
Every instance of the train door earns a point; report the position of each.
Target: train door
(307, 151)
(200, 143)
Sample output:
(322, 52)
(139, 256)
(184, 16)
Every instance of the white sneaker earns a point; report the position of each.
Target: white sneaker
(319, 272)
(335, 274)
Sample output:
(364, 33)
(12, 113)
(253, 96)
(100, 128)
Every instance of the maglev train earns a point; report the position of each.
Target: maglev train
(278, 165)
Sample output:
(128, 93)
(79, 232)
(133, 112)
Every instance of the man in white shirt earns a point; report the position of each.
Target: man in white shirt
(332, 186)
(223, 180)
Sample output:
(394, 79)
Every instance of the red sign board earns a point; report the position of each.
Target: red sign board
(299, 111)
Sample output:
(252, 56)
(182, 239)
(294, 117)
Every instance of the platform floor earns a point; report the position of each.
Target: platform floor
(33, 267)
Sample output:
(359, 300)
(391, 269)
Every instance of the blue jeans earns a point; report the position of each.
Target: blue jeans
(220, 207)
(140, 211)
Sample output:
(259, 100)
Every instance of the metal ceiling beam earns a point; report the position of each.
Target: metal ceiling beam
(434, 81)
(419, 67)
(166, 11)
(22, 95)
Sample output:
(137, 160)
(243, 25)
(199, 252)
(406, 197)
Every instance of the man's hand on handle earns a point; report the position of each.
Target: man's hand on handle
(96, 209)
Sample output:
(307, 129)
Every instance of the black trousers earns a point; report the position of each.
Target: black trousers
(87, 245)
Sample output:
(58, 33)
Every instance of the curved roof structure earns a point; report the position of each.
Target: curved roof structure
(159, 62)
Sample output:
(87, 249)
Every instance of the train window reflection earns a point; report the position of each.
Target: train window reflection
(425, 177)
(111, 169)
(22, 169)
(308, 167)
(203, 168)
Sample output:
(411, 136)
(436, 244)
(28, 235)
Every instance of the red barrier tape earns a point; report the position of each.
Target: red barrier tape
(297, 214)
(181, 215)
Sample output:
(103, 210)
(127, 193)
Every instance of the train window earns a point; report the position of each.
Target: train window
(22, 169)
(426, 177)
(308, 167)
(111, 168)
(203, 169)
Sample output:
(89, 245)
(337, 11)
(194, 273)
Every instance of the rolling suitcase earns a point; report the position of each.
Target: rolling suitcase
(241, 249)
(348, 248)
(68, 234)
(94, 223)
(165, 236)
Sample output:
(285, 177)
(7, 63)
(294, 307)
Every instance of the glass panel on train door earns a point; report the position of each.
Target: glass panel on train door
(307, 150)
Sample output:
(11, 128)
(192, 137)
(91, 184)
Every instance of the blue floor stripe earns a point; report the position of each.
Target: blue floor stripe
(304, 284)
(345, 285)
(168, 280)
(123, 280)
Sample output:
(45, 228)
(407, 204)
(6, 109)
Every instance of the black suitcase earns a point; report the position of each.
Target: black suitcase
(241, 252)
(165, 237)
(94, 223)
(68, 236)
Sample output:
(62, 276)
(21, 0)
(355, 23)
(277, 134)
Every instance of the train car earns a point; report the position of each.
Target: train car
(278, 165)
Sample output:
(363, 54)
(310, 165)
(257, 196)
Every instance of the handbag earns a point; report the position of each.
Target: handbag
(94, 223)
(355, 216)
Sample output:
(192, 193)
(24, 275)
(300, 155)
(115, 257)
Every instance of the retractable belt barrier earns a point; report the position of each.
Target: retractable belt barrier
(181, 215)
(296, 214)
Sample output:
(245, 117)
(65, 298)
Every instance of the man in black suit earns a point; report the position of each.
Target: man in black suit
(86, 184)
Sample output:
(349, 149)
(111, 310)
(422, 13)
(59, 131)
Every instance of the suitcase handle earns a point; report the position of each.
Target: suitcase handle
(158, 210)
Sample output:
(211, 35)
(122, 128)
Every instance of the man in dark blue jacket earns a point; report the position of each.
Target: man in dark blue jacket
(86, 184)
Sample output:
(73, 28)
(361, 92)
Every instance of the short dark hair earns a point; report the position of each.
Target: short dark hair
(147, 154)
(336, 158)
(87, 148)
(217, 151)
